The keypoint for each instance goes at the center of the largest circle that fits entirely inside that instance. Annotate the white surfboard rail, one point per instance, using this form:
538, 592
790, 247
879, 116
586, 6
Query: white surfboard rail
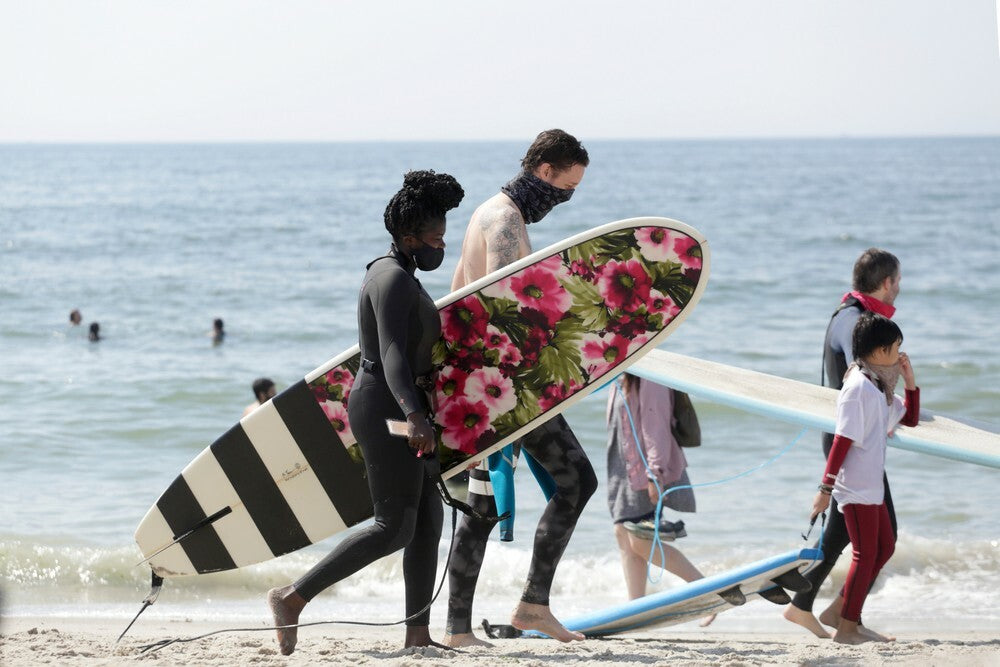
812, 406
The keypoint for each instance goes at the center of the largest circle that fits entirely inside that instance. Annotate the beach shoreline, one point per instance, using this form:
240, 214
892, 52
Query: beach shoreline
70, 641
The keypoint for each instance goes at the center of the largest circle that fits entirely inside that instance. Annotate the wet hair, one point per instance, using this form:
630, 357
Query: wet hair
218, 323
260, 386
424, 198
872, 268
558, 148
872, 332
75, 316
95, 331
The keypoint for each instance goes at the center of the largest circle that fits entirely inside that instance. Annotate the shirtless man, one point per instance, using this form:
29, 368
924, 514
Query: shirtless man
497, 236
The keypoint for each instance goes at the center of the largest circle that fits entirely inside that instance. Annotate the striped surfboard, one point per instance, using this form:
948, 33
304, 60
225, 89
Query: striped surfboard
517, 348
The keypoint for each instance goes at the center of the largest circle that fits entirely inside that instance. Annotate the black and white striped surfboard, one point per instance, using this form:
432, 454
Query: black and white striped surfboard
518, 347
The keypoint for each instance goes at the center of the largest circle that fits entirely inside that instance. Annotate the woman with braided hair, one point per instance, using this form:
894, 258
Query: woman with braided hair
398, 325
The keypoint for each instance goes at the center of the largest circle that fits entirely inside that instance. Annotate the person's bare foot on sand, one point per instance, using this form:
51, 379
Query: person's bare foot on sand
464, 639
806, 619
850, 632
529, 616
708, 621
876, 636
286, 605
418, 636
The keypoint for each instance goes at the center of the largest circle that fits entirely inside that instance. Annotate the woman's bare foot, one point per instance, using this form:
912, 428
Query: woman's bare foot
707, 621
806, 619
464, 639
286, 605
420, 636
538, 617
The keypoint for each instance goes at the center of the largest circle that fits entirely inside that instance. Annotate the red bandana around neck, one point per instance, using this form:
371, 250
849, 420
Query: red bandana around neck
872, 304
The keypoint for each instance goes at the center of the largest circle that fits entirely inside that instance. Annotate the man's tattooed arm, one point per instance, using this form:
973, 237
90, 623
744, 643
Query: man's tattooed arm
504, 234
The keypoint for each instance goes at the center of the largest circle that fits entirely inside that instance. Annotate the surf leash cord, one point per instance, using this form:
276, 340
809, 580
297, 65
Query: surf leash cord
657, 541
456, 506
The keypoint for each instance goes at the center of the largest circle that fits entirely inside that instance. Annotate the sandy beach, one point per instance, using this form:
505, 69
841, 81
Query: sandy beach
77, 641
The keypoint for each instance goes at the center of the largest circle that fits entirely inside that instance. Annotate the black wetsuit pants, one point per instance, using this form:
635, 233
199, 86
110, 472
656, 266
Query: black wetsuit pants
835, 540
557, 450
408, 511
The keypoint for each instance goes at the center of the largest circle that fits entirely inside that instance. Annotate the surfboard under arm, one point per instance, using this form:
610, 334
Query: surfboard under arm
811, 405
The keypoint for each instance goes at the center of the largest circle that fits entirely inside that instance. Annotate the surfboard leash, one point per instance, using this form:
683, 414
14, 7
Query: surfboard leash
156, 646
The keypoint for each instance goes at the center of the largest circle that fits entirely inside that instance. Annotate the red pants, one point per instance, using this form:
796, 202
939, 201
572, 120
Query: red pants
873, 543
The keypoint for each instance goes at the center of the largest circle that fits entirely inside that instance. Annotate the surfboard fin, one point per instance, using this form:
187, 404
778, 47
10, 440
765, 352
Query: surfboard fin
501, 631
793, 581
154, 592
733, 596
775, 594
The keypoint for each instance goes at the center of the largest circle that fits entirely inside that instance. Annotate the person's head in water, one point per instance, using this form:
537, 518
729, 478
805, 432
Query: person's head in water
218, 330
876, 272
75, 317
551, 170
263, 389
415, 216
95, 332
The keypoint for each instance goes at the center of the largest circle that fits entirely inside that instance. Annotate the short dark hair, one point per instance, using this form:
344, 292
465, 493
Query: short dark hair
558, 148
260, 386
873, 331
424, 198
872, 268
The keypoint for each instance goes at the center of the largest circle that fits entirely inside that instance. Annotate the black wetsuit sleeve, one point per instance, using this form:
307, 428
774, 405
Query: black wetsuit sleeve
396, 294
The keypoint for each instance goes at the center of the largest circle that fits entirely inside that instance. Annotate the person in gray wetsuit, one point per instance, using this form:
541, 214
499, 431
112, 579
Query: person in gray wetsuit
398, 325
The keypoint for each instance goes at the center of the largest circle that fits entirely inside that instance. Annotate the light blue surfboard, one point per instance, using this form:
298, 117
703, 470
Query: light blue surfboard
693, 600
813, 406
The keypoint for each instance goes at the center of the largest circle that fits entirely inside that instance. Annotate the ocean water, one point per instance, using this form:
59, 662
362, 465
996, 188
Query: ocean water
155, 241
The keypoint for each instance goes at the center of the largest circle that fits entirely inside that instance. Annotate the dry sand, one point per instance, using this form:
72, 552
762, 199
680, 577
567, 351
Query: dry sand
76, 641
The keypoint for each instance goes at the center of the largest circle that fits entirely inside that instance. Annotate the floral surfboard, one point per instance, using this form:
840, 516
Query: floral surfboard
517, 348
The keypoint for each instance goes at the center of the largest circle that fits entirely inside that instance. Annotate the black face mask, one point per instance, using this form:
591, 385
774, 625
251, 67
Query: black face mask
533, 196
428, 257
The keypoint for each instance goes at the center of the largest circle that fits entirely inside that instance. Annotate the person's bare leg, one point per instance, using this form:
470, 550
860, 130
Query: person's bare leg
286, 605
633, 565
420, 635
830, 616
806, 619
463, 639
538, 617
676, 562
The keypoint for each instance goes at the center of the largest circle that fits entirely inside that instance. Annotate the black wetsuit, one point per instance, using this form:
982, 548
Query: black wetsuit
554, 446
835, 537
398, 325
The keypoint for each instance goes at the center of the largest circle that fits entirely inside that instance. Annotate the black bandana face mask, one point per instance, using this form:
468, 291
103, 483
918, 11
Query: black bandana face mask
533, 196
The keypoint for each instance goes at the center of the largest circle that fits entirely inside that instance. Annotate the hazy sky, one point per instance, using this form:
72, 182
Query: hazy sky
206, 70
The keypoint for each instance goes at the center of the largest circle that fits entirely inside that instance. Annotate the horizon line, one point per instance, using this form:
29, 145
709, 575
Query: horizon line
831, 137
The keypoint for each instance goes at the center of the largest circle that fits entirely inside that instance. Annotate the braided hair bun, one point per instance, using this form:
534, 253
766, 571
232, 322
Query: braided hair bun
424, 198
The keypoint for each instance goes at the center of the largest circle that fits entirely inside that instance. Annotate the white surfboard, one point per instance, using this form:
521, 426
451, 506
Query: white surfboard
692, 600
812, 405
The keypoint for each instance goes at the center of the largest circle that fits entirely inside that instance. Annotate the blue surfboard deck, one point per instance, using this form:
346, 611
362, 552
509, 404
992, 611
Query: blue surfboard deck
693, 600
813, 406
